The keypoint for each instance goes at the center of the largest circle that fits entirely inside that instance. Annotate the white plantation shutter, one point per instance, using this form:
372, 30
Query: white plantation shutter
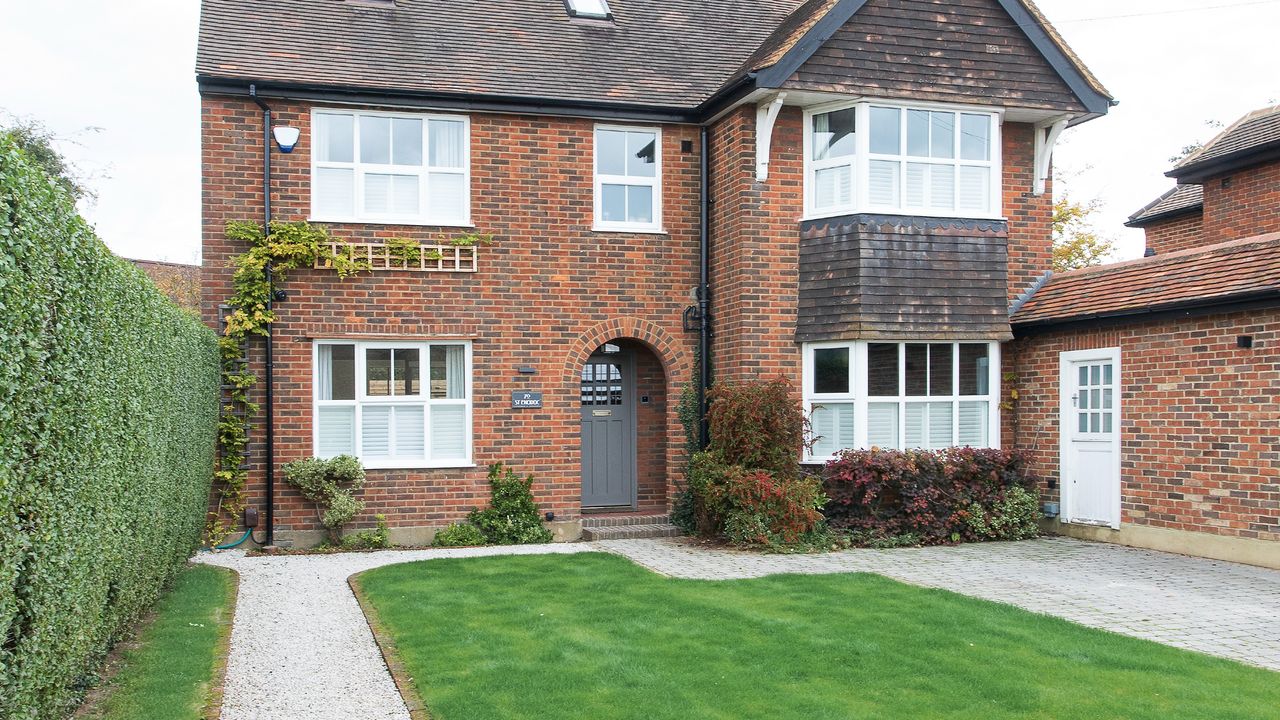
832, 427
914, 431
975, 189
882, 425
448, 196
448, 431
973, 423
336, 434
940, 423
410, 433
942, 187
833, 187
882, 182
917, 181
375, 431
335, 191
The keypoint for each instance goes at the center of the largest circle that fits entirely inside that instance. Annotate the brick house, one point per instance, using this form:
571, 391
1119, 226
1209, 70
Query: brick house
1149, 389
847, 192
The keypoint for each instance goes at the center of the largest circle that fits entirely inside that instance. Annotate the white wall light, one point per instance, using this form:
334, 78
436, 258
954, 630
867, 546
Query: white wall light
286, 137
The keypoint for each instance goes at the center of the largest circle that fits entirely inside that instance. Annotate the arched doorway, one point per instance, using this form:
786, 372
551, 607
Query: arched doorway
623, 428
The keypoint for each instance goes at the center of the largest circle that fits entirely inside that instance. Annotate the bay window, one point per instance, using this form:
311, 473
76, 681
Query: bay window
901, 395
628, 179
383, 167
884, 158
394, 404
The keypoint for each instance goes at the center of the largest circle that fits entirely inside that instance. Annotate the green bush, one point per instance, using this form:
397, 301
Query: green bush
108, 406
512, 517
759, 425
1015, 516
376, 539
459, 535
330, 484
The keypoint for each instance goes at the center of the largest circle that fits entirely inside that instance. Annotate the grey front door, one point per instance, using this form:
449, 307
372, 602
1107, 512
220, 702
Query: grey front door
608, 433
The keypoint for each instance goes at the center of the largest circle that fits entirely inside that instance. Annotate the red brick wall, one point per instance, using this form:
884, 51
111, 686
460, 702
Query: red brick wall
1178, 233
549, 291
755, 250
1200, 419
1030, 216
1243, 204
651, 436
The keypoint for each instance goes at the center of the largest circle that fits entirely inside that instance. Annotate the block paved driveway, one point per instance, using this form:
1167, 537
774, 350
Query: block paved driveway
300, 647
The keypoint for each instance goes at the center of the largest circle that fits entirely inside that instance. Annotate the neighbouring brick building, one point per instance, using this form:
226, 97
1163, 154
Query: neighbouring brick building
1149, 390
865, 219
180, 281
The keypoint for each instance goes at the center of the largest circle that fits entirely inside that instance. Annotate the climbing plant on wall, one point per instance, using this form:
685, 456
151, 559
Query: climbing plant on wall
287, 246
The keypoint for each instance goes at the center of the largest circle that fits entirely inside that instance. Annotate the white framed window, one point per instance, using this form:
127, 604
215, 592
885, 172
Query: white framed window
393, 404
901, 395
390, 168
628, 178
939, 161
598, 9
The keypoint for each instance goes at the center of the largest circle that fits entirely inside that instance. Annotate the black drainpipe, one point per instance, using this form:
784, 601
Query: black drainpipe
704, 291
266, 229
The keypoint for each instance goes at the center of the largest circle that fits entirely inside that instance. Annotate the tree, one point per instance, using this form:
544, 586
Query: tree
1076, 243
38, 142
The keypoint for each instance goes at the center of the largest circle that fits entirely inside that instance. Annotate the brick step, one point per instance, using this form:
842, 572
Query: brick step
597, 521
630, 532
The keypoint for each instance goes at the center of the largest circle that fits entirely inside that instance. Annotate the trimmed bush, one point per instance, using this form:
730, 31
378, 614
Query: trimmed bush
748, 487
108, 406
330, 484
459, 535
512, 516
953, 495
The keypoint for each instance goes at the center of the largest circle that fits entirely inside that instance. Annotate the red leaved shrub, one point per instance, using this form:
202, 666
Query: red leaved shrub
758, 425
928, 494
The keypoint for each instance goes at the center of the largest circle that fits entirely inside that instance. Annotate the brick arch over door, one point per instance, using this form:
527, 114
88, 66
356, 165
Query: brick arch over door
674, 362
677, 365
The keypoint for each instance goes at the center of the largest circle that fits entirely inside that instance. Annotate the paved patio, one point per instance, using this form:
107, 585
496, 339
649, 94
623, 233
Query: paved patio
300, 647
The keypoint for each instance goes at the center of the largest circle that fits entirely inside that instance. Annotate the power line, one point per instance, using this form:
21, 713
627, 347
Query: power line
1167, 12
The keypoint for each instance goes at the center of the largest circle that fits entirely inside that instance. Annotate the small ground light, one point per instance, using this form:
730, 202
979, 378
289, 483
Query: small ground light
551, 516
1244, 341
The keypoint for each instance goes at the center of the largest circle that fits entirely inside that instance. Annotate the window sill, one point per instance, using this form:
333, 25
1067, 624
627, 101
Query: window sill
395, 465
808, 217
622, 230
463, 225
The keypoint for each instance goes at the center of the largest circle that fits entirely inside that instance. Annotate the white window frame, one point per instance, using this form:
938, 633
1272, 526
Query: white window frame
860, 161
425, 400
422, 172
859, 398
598, 181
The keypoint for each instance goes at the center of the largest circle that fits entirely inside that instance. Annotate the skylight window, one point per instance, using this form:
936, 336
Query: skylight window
598, 9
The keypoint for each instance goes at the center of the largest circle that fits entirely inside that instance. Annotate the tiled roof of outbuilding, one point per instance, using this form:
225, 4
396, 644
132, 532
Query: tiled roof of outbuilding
1230, 271
1178, 200
1257, 132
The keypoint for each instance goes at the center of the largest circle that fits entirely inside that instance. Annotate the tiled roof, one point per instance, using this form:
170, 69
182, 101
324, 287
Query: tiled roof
1253, 133
669, 54
1234, 270
673, 53
1178, 200
179, 281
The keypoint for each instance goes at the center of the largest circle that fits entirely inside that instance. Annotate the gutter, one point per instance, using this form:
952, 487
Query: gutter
1197, 172
704, 290
1190, 308
266, 229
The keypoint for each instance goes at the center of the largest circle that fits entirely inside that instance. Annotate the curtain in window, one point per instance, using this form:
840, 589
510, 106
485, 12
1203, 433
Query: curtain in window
455, 360
446, 148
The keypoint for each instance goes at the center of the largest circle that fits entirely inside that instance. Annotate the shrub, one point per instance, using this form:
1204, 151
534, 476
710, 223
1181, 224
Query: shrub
761, 509
929, 495
375, 539
512, 516
1016, 516
758, 425
108, 407
459, 535
329, 484
747, 487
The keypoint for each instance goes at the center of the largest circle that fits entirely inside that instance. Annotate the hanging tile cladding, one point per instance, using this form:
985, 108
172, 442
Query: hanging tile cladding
877, 276
964, 51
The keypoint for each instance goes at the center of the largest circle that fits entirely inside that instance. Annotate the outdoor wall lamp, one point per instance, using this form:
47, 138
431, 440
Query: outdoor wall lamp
286, 137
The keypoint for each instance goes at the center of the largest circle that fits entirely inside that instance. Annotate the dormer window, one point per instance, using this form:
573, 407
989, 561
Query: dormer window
597, 9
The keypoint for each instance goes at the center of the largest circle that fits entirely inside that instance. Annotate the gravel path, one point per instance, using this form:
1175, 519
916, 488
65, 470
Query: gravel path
300, 647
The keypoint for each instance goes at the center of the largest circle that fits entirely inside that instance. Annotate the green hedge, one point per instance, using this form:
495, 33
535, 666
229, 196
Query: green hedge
108, 405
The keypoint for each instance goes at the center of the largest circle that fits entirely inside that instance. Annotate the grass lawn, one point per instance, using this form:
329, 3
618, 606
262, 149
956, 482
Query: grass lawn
595, 636
168, 671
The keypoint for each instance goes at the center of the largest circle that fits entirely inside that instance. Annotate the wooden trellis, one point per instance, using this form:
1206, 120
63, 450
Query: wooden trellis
429, 258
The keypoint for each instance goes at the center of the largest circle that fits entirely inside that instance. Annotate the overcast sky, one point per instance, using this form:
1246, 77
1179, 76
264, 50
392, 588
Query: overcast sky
126, 69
